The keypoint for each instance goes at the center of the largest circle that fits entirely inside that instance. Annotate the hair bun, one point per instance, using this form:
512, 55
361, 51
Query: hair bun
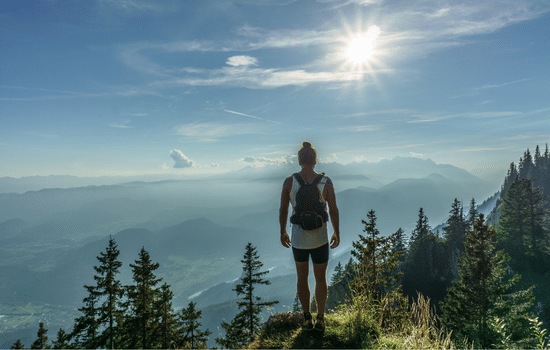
306, 144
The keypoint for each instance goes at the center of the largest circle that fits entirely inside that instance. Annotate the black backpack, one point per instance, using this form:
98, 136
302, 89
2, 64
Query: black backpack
310, 213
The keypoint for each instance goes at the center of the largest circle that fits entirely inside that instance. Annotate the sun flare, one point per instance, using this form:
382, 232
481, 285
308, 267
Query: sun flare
362, 46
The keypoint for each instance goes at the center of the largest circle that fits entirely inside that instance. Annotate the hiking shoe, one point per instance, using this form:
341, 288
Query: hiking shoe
320, 323
308, 322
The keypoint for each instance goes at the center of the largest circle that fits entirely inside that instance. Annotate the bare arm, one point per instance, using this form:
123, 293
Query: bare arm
283, 211
330, 197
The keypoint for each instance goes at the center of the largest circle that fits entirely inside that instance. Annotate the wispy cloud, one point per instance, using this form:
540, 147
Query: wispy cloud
250, 116
214, 131
360, 128
129, 6
411, 31
236, 61
260, 161
440, 116
479, 89
123, 125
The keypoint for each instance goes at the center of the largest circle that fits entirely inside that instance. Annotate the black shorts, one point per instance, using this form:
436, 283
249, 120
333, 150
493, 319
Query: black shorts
318, 255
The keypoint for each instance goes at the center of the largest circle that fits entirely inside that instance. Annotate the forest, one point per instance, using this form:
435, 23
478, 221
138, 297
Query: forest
481, 281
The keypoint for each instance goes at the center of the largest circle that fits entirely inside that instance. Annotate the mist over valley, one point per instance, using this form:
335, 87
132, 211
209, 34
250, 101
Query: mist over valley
197, 229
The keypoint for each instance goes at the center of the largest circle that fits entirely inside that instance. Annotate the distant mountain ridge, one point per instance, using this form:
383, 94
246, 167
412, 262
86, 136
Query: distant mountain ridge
384, 171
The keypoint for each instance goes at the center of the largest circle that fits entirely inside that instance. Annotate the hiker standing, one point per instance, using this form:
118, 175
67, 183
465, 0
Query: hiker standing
309, 193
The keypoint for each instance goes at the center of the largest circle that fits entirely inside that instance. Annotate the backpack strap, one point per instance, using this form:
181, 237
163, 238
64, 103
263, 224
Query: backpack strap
318, 179
299, 178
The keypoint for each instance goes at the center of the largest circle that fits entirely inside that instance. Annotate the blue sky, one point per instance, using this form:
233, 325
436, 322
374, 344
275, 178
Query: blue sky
133, 87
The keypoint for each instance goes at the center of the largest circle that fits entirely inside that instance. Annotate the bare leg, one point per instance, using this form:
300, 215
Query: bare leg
302, 271
321, 289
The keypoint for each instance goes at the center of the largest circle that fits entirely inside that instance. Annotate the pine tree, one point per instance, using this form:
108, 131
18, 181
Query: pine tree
141, 322
376, 260
400, 245
296, 306
350, 269
511, 176
338, 274
455, 231
62, 340
426, 268
86, 327
244, 326
472, 214
482, 291
421, 229
41, 342
17, 345
110, 287
192, 336
521, 228
168, 327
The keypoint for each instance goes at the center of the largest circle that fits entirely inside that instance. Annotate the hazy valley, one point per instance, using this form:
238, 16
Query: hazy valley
196, 229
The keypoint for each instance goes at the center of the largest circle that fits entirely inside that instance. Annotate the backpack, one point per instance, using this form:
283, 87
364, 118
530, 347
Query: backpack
310, 213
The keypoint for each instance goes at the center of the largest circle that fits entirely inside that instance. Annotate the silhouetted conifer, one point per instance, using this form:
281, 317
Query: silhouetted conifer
141, 321
338, 274
17, 345
85, 329
376, 261
41, 342
400, 245
244, 326
421, 229
192, 336
296, 306
62, 340
521, 229
426, 268
167, 333
483, 291
110, 287
349, 269
472, 214
456, 229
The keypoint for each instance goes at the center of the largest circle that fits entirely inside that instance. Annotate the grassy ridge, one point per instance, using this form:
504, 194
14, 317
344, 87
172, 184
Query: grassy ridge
362, 325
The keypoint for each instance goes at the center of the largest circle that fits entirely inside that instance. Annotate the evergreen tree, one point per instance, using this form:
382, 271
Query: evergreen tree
472, 214
511, 176
62, 340
426, 268
400, 245
521, 228
296, 306
376, 259
168, 327
141, 322
349, 269
41, 342
421, 229
482, 291
110, 287
244, 326
455, 231
17, 345
338, 274
192, 336
526, 165
85, 328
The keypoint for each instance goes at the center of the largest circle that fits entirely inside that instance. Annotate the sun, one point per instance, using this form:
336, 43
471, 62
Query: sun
361, 47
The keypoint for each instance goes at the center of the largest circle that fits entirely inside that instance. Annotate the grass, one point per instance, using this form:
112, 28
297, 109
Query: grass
363, 325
